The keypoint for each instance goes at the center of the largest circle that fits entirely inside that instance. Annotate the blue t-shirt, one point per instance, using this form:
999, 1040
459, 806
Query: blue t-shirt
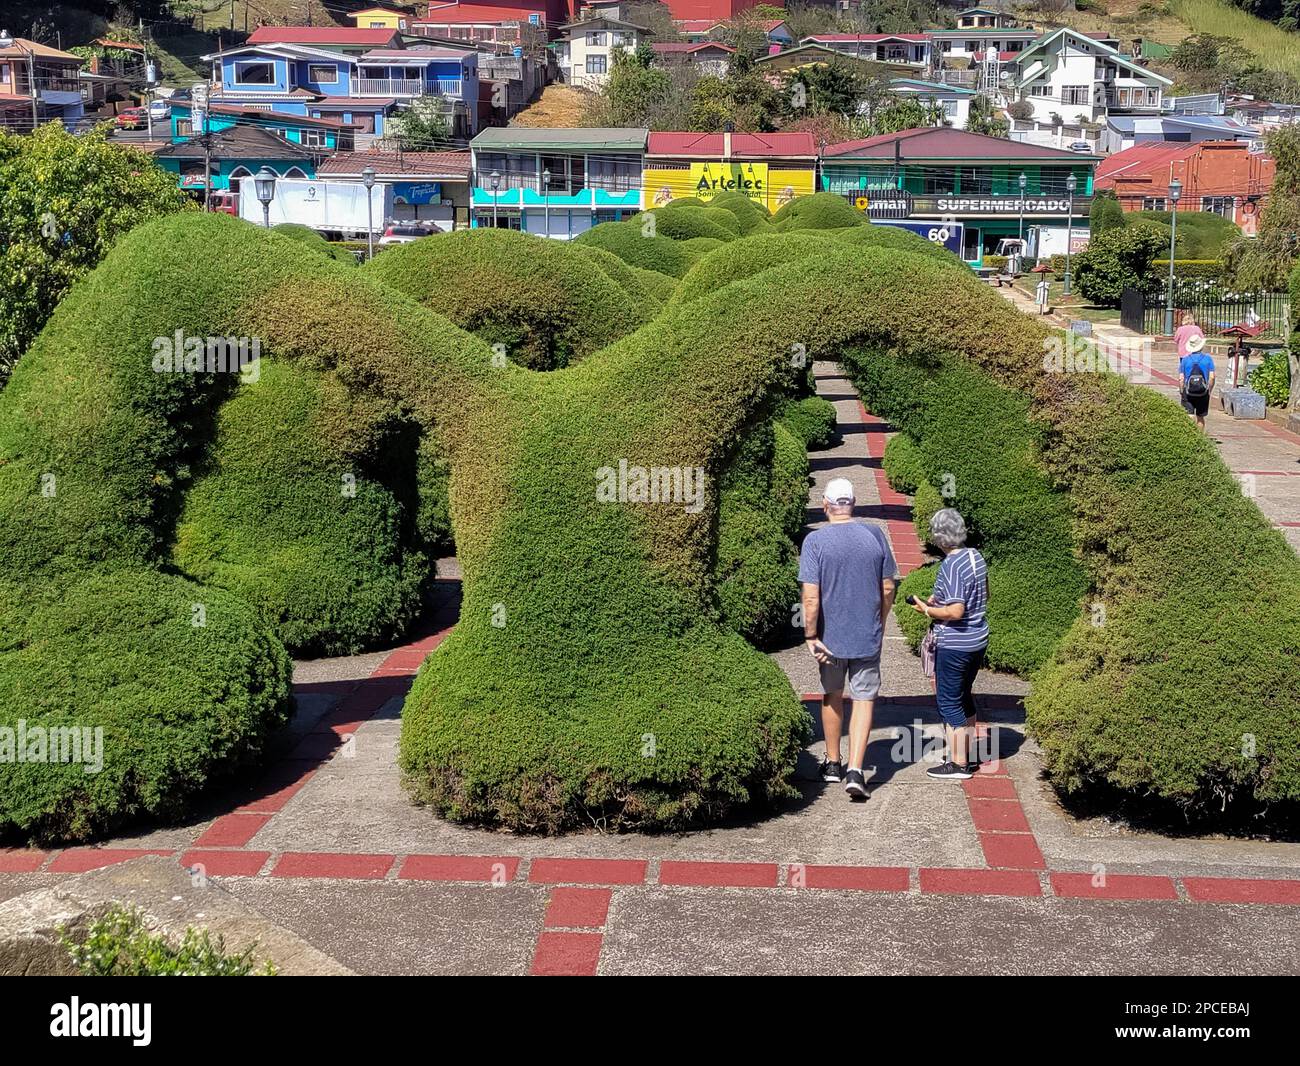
848, 562
1200, 359
963, 578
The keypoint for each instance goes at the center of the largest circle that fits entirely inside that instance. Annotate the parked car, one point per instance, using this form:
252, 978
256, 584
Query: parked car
159, 110
1079, 146
225, 202
404, 232
133, 118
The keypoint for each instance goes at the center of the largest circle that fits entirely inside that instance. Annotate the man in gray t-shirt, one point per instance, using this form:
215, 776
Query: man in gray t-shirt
848, 573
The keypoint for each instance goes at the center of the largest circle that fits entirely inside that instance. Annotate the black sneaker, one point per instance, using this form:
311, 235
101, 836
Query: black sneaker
950, 771
832, 771
855, 785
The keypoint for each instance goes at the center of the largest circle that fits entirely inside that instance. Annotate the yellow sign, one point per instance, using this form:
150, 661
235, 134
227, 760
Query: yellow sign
861, 203
764, 185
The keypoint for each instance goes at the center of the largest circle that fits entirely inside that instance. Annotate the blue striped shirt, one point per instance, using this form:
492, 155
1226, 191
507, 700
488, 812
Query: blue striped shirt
963, 578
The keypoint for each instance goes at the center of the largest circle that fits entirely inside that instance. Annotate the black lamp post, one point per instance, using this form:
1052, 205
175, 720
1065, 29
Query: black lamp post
264, 181
1022, 181
368, 180
1175, 191
546, 201
1071, 183
496, 184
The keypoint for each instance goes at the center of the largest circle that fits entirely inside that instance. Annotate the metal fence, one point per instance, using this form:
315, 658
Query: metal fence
1215, 305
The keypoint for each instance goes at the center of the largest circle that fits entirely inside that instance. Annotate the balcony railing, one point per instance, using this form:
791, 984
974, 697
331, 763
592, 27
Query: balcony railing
406, 87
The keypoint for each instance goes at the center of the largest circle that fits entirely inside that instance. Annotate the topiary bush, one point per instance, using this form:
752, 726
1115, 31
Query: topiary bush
547, 303
811, 420
627, 241
313, 240
904, 464
682, 224
822, 210
751, 217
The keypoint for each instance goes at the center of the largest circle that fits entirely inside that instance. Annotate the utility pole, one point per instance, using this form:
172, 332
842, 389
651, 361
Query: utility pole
232, 16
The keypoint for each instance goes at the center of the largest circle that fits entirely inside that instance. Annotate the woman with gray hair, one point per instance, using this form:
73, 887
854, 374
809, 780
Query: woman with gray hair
957, 608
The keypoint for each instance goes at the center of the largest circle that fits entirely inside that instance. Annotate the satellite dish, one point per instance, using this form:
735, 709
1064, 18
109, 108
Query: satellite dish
1005, 75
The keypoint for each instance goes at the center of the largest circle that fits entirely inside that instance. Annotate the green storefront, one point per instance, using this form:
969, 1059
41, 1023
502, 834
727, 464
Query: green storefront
944, 175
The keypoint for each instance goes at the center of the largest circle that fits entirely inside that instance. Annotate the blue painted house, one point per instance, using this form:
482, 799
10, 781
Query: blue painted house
357, 77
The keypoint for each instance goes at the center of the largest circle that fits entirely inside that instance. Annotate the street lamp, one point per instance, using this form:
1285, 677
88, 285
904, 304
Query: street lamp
368, 180
1022, 181
496, 184
199, 110
1071, 183
7, 42
546, 200
264, 181
1175, 191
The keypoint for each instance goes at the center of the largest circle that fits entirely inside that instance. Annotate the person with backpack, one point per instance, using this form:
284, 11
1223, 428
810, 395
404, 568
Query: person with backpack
1195, 369
961, 632
849, 576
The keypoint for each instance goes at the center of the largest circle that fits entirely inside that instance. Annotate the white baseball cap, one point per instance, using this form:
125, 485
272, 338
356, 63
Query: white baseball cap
840, 490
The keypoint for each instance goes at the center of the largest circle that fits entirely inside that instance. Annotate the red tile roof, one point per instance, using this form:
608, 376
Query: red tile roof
943, 143
743, 145
682, 46
454, 14
447, 165
1141, 159
320, 35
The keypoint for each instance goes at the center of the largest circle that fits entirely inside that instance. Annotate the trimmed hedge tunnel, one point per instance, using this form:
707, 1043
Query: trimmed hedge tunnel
618, 691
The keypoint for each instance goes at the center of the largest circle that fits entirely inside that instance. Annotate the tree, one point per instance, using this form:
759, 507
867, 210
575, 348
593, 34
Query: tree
1105, 213
422, 127
821, 88
1263, 262
900, 113
66, 201
984, 118
1116, 260
1020, 109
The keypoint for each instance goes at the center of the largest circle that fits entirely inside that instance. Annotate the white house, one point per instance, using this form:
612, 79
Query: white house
954, 99
586, 52
1071, 77
883, 47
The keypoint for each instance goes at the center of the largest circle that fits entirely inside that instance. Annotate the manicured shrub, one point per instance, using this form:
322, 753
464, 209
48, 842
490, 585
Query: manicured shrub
811, 420
894, 237
904, 464
547, 303
627, 241
660, 286
312, 239
738, 260
822, 210
751, 217
1201, 234
626, 276
683, 224
1116, 260
314, 535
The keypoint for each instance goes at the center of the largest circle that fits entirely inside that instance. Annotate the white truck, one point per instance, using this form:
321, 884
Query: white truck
335, 209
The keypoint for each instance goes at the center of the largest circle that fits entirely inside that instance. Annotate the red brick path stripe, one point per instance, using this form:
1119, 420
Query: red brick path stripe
566, 954
1117, 886
998, 816
21, 860
79, 860
332, 864
578, 908
588, 871
986, 787
226, 863
1241, 890
980, 882
719, 874
1012, 851
279, 787
863, 878
498, 868
232, 830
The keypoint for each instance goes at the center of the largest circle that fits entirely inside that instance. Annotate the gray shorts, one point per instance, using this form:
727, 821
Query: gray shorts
862, 677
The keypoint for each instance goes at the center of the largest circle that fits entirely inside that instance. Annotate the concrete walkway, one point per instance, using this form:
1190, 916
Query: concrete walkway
990, 876
1263, 455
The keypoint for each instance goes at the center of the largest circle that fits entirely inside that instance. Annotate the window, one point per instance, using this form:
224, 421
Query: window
949, 108
1051, 181
972, 46
1153, 203
613, 174
595, 37
596, 64
319, 72
938, 184
294, 172
1074, 94
251, 73
312, 139
1219, 205
976, 181
184, 127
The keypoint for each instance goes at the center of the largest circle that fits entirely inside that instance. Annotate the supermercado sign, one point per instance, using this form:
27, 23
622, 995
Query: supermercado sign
762, 184
999, 205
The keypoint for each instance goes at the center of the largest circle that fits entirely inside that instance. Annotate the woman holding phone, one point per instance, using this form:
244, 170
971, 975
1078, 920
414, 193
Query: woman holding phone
957, 609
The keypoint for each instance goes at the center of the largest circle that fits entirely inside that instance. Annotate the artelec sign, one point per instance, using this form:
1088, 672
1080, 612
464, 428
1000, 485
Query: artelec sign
710, 179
